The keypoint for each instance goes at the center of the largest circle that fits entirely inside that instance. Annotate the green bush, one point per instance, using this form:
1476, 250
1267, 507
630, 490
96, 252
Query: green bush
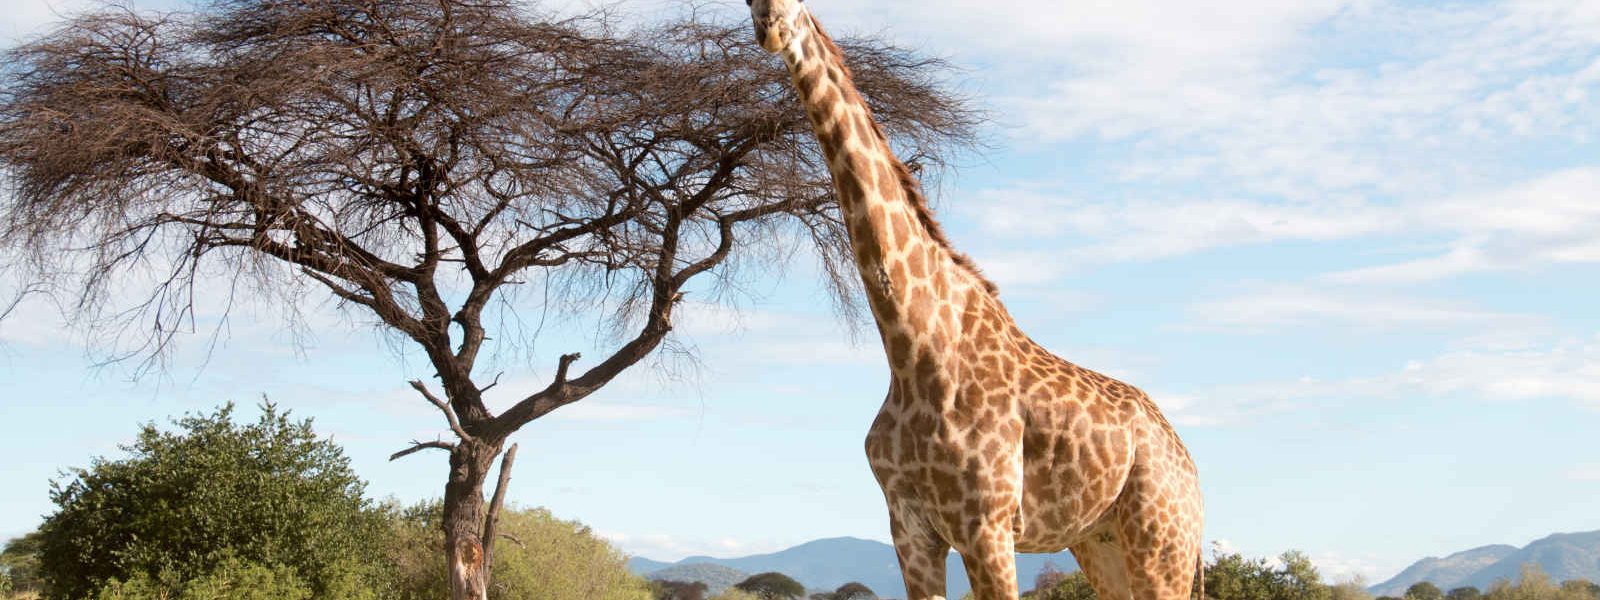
233, 579
539, 556
183, 504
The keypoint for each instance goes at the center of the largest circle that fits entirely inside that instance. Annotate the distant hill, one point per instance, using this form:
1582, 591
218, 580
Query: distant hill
828, 563
1564, 556
1444, 572
716, 577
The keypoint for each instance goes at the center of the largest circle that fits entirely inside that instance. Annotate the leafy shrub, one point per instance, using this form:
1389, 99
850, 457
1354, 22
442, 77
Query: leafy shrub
184, 504
539, 556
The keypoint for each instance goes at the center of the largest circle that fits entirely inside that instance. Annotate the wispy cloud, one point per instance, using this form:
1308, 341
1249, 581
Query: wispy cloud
1568, 370
1588, 473
1565, 371
1114, 231
1275, 114
664, 547
1548, 220
1282, 306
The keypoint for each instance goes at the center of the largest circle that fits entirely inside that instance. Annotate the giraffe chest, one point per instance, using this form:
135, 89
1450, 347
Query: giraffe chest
933, 446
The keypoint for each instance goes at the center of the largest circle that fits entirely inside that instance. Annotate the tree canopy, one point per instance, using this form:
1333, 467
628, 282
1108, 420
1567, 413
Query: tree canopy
772, 586
437, 167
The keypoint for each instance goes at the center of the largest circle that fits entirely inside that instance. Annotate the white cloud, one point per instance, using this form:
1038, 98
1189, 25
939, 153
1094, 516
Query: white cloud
1143, 230
1287, 111
1338, 568
1548, 219
1569, 370
1551, 219
1588, 473
1299, 305
663, 547
23, 18
1561, 371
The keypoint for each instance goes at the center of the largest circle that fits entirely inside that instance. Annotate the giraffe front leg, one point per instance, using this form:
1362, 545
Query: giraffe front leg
991, 562
922, 554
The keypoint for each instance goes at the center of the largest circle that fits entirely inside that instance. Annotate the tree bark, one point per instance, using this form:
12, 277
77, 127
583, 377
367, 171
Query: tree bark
464, 514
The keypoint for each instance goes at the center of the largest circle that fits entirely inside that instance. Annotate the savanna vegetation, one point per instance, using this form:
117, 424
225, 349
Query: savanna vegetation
1292, 576
212, 508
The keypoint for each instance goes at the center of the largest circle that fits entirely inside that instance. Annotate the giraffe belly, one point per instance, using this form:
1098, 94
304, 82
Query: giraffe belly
1070, 482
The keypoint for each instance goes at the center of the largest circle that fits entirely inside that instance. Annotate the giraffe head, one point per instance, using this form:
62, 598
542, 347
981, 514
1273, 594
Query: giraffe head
777, 22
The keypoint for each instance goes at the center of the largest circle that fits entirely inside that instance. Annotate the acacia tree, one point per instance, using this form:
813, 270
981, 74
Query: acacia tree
417, 160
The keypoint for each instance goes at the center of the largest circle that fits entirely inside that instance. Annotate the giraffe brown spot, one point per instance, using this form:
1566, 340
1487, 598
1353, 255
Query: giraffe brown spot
915, 259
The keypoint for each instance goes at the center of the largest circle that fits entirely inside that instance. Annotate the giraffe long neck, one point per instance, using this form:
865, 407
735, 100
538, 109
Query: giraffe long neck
916, 284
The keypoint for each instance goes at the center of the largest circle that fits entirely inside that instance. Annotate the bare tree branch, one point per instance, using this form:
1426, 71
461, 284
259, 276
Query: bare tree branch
420, 446
419, 159
492, 519
449, 413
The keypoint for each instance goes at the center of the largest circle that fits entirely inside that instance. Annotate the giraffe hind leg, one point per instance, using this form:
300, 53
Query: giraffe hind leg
1158, 526
1102, 561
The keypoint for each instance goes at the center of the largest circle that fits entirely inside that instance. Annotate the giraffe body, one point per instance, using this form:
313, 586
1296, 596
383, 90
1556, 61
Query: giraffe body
986, 443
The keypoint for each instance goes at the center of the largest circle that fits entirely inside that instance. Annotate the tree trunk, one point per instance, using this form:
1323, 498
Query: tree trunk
464, 514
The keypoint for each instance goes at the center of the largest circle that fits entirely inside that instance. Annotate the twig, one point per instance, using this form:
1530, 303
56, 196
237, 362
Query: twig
492, 383
420, 446
449, 415
514, 539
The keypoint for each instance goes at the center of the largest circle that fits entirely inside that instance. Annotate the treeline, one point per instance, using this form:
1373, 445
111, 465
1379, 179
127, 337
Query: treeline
1231, 576
267, 510
761, 586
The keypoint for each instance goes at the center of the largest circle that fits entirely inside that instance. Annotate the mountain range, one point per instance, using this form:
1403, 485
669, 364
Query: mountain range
1563, 556
826, 564
823, 565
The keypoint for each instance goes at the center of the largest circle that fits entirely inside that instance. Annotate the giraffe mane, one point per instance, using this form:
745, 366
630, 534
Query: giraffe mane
908, 182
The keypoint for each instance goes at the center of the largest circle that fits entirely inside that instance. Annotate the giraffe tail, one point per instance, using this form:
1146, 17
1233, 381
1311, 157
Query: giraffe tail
1200, 572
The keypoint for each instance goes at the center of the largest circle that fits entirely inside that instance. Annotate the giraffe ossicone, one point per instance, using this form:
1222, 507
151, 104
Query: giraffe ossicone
986, 443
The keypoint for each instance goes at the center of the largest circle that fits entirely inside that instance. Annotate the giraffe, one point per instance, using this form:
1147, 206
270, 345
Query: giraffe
986, 442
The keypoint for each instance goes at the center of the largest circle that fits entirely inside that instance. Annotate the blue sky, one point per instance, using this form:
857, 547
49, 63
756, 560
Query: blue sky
1349, 245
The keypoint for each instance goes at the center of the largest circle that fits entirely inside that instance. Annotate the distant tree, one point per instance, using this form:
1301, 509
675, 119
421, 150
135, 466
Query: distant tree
19, 564
854, 591
1353, 589
772, 586
1424, 590
1048, 577
1580, 588
1534, 584
678, 590
849, 591
1387, 598
268, 493
1297, 579
1231, 576
1071, 586
1463, 593
734, 593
